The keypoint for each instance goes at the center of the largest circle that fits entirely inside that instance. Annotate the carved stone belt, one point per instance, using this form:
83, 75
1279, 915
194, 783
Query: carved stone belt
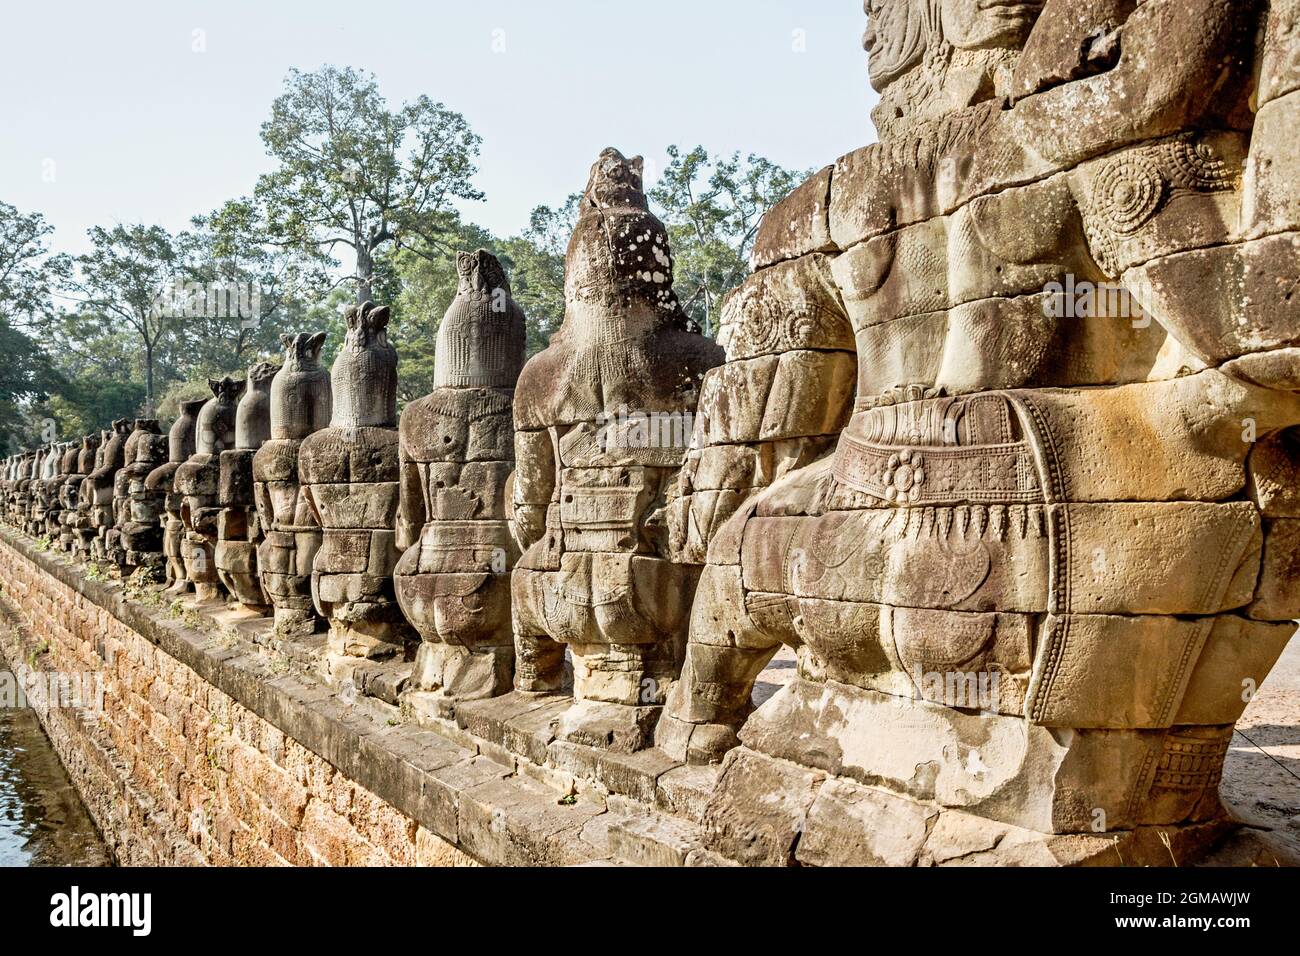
938, 474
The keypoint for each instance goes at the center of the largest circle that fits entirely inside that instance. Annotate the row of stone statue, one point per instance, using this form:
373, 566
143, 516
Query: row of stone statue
1034, 550
295, 492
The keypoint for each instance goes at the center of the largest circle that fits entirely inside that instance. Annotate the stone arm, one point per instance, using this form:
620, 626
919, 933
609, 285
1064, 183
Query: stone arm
412, 512
313, 511
1172, 56
778, 402
534, 485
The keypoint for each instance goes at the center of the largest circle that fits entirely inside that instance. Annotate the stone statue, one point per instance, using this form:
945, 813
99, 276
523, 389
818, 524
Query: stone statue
300, 405
163, 498
70, 491
349, 475
7, 482
24, 496
1051, 543
238, 531
114, 545
197, 481
457, 452
95, 496
63, 463
141, 521
603, 421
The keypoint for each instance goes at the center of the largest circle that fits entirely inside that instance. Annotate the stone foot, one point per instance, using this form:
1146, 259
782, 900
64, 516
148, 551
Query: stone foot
619, 728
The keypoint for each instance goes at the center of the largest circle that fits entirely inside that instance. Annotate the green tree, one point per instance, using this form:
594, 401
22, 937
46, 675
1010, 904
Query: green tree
122, 283
242, 292
98, 362
535, 262
354, 173
712, 208
29, 275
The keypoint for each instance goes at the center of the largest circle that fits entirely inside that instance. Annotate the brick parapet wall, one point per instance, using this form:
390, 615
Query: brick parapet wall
210, 749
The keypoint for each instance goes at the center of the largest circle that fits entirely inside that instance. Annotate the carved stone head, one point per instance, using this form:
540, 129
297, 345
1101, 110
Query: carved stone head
482, 337
929, 58
181, 437
618, 265
216, 423
615, 181
897, 34
301, 402
985, 24
365, 373
253, 416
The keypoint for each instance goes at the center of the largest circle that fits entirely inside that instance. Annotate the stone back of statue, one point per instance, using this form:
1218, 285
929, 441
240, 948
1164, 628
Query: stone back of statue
602, 420
301, 403
198, 481
457, 453
95, 502
482, 336
115, 545
253, 414
364, 377
349, 475
70, 491
1052, 375
238, 530
141, 521
162, 496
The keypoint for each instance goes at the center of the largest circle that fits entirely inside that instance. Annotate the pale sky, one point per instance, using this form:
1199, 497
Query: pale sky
149, 111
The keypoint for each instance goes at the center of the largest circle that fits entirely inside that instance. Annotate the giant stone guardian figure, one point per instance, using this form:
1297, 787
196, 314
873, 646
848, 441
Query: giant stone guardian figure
349, 474
163, 498
115, 547
95, 498
70, 491
1052, 543
197, 482
238, 530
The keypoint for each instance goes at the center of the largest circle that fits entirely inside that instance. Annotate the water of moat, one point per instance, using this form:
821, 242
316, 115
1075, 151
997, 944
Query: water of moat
42, 819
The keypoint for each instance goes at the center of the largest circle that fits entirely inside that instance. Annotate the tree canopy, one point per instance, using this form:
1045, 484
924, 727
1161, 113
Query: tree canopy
364, 201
